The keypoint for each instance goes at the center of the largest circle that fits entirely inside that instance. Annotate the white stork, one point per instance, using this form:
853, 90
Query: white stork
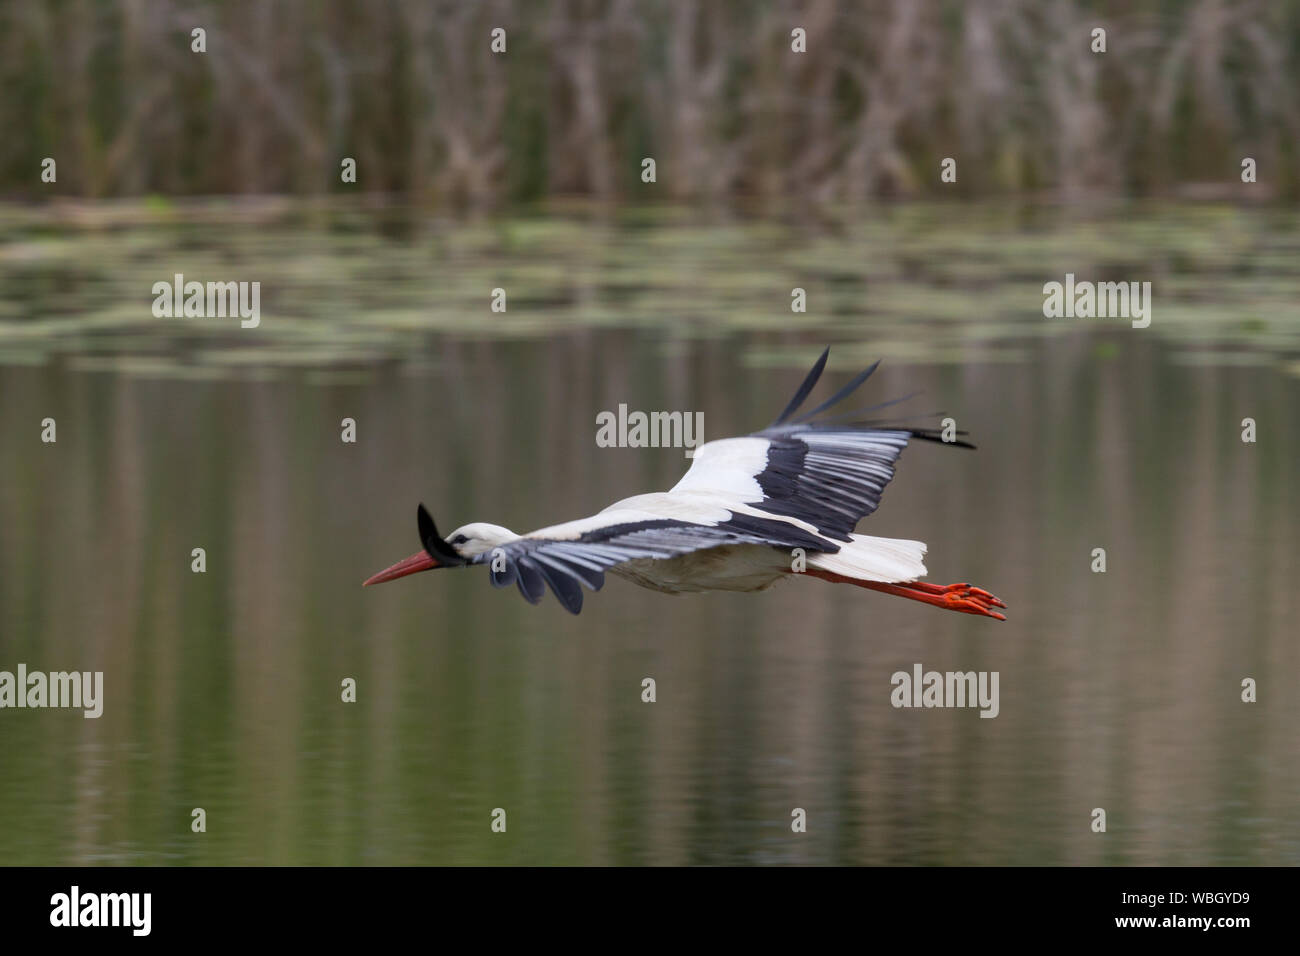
733, 523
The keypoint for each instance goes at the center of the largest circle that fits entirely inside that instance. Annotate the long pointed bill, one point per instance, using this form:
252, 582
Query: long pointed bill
420, 561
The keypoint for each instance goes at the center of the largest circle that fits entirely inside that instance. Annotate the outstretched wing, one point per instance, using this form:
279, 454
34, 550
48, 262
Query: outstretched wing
571, 556
828, 473
801, 482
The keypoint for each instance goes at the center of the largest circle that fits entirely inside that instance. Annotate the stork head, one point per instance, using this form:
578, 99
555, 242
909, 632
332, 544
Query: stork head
471, 540
465, 543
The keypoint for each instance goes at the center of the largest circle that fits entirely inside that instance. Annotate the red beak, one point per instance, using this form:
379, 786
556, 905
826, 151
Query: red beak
421, 561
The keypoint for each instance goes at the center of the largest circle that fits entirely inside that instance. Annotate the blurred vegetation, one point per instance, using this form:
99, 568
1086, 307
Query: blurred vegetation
887, 89
347, 287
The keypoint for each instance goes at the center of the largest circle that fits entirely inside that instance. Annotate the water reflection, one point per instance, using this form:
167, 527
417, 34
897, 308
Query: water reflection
1119, 690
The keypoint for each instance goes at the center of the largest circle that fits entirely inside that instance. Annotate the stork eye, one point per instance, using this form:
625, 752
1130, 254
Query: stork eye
459, 539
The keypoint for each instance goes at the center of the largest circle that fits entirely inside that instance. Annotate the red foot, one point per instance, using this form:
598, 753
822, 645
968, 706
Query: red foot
952, 597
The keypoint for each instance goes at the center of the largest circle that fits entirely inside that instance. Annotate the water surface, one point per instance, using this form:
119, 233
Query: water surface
1118, 690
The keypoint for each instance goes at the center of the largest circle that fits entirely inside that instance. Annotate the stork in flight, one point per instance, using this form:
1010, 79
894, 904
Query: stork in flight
733, 523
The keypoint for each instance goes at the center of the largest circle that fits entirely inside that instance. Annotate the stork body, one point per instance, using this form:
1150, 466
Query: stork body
749, 512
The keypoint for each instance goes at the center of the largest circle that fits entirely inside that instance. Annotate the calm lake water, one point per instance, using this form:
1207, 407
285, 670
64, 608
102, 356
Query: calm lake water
1119, 690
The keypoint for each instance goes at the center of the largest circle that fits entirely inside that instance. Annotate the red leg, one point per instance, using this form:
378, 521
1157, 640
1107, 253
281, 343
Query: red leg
951, 597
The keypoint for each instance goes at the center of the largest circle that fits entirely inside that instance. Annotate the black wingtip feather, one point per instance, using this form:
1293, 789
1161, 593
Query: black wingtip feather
843, 418
838, 421
433, 543
843, 393
424, 522
565, 588
530, 582
505, 577
929, 434
809, 381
